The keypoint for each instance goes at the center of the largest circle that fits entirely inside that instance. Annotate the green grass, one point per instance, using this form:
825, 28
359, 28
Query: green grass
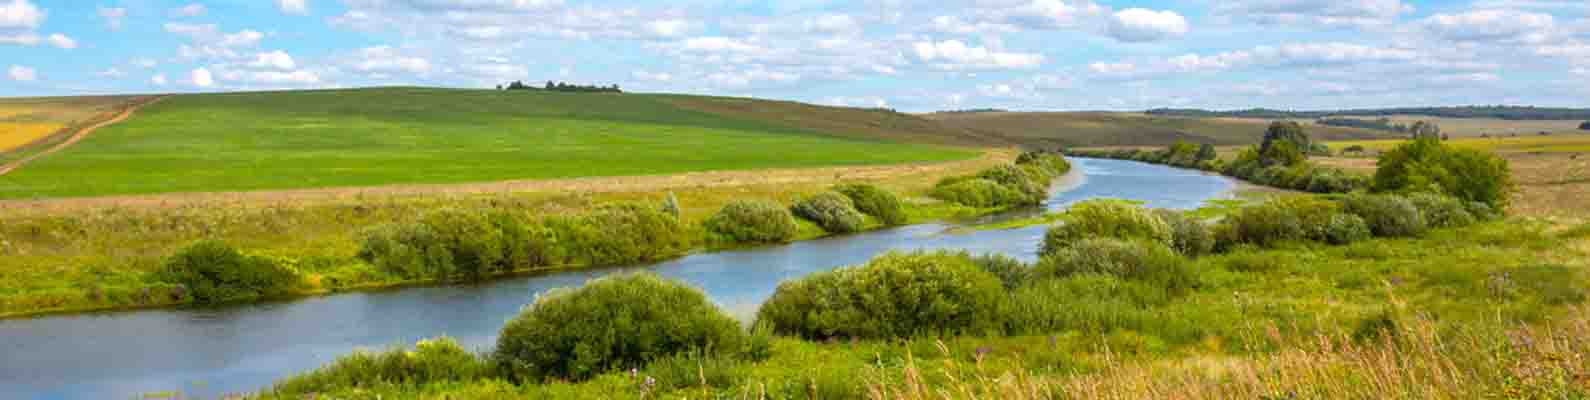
368, 137
1082, 129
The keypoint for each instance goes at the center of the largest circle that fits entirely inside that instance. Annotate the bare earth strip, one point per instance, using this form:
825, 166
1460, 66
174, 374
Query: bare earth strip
608, 184
79, 135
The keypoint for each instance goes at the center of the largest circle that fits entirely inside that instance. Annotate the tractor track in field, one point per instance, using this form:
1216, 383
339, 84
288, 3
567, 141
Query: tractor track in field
79, 135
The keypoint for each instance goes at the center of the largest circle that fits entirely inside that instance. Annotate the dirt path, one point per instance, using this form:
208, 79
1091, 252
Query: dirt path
79, 135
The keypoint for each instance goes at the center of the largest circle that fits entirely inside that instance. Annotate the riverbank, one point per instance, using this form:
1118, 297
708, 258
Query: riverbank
81, 255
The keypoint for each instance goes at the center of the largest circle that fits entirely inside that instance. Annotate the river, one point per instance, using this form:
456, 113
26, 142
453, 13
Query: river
208, 352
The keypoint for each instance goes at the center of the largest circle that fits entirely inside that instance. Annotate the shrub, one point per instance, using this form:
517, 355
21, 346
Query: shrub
980, 193
750, 221
1387, 215
455, 244
213, 271
1482, 211
894, 295
1346, 228
1033, 189
1105, 218
1275, 221
1441, 211
1088, 303
874, 201
1428, 165
621, 321
1050, 163
618, 234
832, 211
434, 360
1011, 272
1189, 236
1136, 260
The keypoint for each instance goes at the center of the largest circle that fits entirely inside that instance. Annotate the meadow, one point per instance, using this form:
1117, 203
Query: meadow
386, 136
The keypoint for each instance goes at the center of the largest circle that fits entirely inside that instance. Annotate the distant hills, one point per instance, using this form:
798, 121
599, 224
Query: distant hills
1518, 113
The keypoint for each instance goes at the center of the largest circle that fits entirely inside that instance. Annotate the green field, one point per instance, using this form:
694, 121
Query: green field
369, 137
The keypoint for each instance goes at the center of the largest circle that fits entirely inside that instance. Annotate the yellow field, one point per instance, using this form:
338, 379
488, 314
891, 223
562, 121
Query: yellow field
1474, 127
1562, 143
16, 134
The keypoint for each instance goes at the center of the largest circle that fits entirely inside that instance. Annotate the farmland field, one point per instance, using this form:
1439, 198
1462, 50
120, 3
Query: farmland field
1125, 129
369, 137
1566, 143
24, 121
1474, 127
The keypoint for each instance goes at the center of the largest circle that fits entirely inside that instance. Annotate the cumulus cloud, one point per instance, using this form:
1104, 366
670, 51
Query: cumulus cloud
1359, 13
113, 16
1036, 14
190, 10
953, 54
1117, 68
201, 77
717, 44
25, 39
385, 59
649, 76
62, 41
1491, 25
1143, 25
111, 72
20, 14
278, 60
22, 74
297, 7
158, 80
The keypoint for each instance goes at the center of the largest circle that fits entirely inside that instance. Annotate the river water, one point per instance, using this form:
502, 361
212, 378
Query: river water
209, 352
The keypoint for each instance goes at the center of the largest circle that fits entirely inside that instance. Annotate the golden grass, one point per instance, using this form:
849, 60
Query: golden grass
16, 134
1565, 143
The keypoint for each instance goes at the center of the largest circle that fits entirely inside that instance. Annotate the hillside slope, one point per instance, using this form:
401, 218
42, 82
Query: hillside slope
1051, 129
383, 136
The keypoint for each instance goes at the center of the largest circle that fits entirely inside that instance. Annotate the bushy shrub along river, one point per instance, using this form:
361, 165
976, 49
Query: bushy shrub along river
214, 351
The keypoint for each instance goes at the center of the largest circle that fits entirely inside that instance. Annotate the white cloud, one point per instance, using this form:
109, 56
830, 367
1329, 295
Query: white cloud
190, 10
25, 39
668, 27
1036, 14
298, 7
861, 101
1331, 53
270, 78
245, 37
113, 16
1142, 25
111, 72
1119, 68
158, 80
747, 77
1222, 61
648, 76
144, 63
22, 74
1491, 25
498, 71
191, 30
833, 23
1360, 13
61, 41
201, 77
20, 14
717, 44
953, 54
278, 60
385, 59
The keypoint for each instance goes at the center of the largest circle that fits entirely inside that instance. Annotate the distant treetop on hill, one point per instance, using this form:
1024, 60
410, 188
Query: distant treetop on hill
1498, 112
563, 87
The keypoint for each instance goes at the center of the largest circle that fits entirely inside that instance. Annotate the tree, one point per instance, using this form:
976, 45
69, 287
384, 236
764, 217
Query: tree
1291, 135
1421, 129
1427, 165
1207, 153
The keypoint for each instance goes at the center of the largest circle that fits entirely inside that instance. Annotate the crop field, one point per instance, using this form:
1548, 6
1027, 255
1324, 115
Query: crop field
1474, 127
16, 134
27, 120
1533, 143
1079, 129
385, 136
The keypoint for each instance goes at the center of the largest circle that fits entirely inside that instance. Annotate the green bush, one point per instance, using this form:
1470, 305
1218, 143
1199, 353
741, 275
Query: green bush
1087, 303
455, 244
615, 322
1051, 163
874, 201
1032, 188
894, 295
1482, 211
1135, 260
1276, 221
213, 271
1189, 236
1011, 272
1441, 211
431, 361
1346, 228
618, 234
1387, 215
749, 221
1106, 218
832, 211
980, 193
1428, 165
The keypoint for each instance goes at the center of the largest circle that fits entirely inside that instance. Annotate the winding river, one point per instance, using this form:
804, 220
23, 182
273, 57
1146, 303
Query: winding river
205, 353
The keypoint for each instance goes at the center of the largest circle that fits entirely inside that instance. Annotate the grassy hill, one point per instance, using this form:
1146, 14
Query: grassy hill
1050, 129
382, 136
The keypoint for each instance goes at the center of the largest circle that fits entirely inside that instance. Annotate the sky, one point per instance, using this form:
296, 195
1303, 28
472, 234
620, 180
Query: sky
903, 54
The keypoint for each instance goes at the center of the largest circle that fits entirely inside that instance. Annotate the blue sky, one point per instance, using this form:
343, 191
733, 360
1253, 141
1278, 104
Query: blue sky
905, 54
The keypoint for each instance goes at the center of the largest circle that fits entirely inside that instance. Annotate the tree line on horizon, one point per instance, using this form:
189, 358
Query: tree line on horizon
1498, 112
562, 87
